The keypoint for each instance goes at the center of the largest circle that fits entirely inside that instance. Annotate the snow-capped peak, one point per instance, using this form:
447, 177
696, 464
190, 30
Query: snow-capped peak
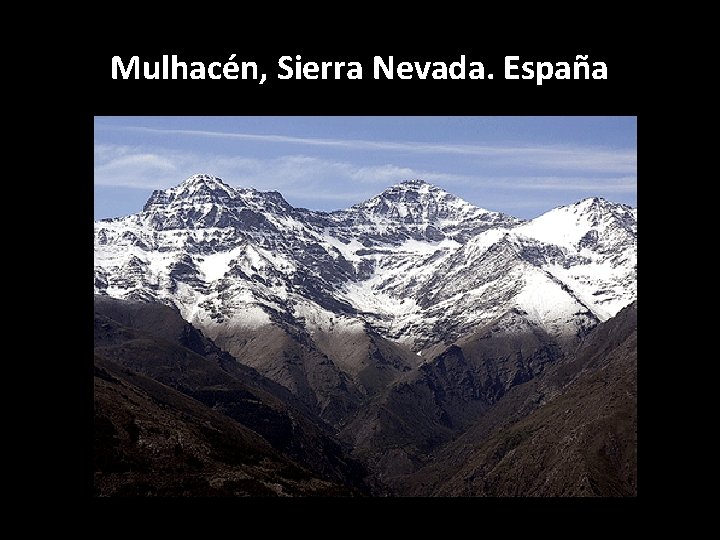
204, 200
421, 186
199, 188
413, 263
199, 185
597, 206
204, 180
418, 202
592, 220
415, 209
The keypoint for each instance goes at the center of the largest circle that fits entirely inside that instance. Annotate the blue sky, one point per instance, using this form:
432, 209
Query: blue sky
523, 166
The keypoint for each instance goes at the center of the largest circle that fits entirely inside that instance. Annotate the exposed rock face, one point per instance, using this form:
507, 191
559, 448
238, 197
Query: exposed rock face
570, 432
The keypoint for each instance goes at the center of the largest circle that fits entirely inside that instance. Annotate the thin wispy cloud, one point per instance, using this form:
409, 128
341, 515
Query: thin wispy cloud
561, 157
305, 176
124, 166
506, 165
625, 184
127, 166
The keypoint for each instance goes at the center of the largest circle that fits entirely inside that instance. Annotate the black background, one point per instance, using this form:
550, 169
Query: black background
618, 95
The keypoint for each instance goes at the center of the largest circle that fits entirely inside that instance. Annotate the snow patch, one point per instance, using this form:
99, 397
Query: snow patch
215, 266
545, 302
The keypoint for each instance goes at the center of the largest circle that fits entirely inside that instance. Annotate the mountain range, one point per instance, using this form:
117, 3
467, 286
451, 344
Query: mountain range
402, 330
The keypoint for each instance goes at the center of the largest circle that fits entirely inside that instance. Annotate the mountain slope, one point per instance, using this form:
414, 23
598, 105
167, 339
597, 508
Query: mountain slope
151, 440
411, 344
417, 210
336, 307
239, 258
447, 394
152, 341
569, 432
599, 239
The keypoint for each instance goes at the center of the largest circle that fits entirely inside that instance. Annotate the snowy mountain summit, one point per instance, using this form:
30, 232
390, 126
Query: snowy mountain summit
417, 202
414, 264
418, 210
